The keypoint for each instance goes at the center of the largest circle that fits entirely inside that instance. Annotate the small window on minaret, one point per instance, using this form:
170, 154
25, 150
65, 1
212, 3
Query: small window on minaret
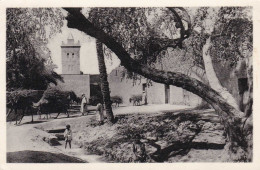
72, 55
68, 54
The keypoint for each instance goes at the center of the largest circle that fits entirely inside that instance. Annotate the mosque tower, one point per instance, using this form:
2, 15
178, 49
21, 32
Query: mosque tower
70, 56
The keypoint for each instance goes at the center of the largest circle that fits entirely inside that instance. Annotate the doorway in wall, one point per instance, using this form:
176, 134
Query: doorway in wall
167, 94
144, 94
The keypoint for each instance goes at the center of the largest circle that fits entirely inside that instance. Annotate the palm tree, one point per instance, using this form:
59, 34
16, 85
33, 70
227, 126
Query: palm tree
104, 82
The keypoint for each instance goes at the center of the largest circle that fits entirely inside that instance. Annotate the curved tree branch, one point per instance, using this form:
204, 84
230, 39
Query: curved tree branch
184, 33
78, 21
157, 44
179, 20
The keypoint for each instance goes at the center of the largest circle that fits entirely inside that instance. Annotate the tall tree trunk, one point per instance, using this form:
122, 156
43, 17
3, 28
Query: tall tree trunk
245, 129
104, 82
212, 77
230, 116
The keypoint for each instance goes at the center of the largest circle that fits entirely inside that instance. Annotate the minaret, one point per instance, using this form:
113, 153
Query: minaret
70, 56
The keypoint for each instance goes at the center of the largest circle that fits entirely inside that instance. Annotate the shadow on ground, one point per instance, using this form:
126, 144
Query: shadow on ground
40, 157
34, 122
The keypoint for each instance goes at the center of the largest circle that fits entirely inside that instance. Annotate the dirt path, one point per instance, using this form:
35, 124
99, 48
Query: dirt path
29, 137
75, 151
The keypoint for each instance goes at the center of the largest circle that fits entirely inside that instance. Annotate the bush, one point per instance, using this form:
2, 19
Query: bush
55, 94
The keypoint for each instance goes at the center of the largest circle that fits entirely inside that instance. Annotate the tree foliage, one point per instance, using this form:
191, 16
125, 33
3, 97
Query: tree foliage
29, 64
232, 35
230, 29
143, 32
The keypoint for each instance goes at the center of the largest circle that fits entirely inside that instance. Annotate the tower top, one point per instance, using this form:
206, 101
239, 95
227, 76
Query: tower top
70, 42
70, 37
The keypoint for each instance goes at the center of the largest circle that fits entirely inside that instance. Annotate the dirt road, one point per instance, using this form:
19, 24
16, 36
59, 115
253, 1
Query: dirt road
29, 136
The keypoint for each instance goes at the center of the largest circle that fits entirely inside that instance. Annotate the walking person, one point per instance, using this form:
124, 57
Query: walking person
100, 114
68, 136
83, 104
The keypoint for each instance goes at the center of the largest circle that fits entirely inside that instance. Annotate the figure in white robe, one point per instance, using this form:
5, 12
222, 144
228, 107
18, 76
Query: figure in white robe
83, 104
99, 113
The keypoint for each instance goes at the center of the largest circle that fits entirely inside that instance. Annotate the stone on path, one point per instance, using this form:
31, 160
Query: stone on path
211, 136
51, 140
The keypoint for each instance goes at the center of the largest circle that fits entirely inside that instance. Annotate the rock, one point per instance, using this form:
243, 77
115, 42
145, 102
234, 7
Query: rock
60, 136
150, 136
53, 141
216, 138
212, 126
144, 140
156, 124
201, 123
187, 128
150, 149
163, 144
210, 137
218, 126
207, 126
167, 120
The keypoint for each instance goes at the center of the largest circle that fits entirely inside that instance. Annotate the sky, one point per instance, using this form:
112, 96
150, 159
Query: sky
88, 55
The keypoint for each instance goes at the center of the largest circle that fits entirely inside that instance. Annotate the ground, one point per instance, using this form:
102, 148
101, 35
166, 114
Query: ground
171, 133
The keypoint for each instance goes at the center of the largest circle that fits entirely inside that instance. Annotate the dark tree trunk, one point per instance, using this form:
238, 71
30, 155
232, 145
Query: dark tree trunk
104, 83
231, 117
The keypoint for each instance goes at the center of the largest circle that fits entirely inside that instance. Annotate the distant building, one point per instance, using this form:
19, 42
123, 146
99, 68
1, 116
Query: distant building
156, 93
234, 79
74, 79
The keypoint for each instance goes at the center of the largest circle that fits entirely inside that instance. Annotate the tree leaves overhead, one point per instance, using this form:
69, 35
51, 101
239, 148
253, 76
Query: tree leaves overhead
230, 29
233, 35
143, 32
29, 63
